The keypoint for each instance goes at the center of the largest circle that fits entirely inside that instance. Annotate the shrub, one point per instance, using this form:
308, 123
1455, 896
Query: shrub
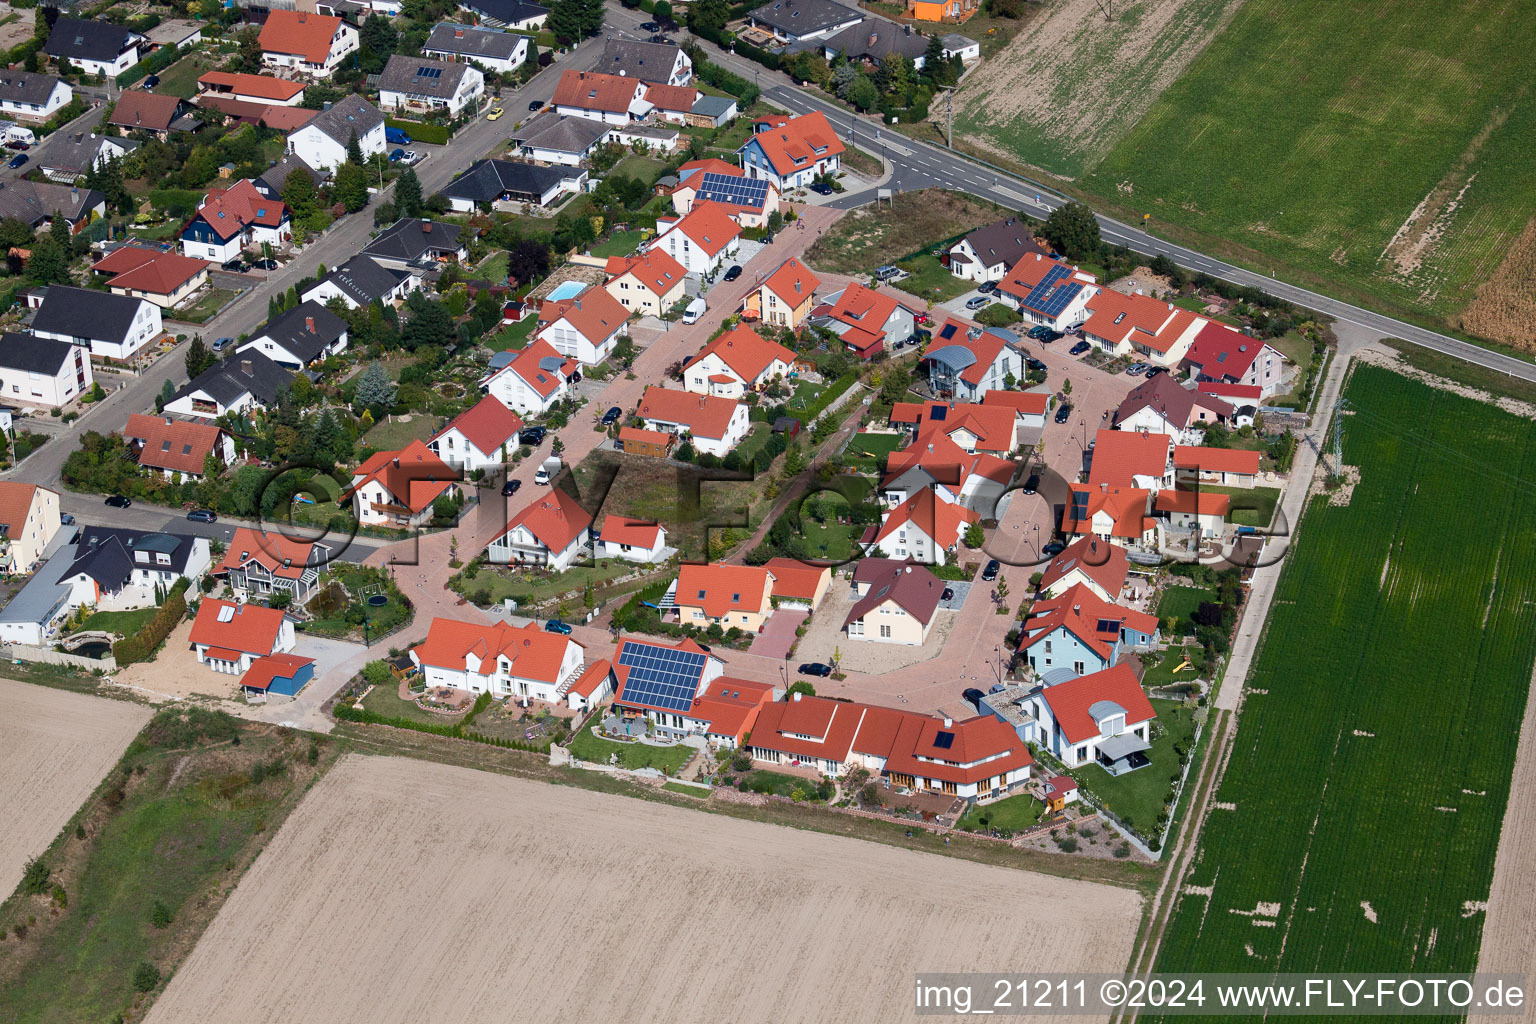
35, 878
160, 916
145, 976
1123, 850
1066, 844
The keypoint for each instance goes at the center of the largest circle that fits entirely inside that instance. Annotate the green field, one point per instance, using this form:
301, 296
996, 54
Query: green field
1272, 142
1372, 760
126, 623
866, 450
1253, 506
1014, 813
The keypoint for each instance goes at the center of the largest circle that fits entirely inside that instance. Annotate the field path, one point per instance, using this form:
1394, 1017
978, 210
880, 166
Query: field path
55, 746
408, 891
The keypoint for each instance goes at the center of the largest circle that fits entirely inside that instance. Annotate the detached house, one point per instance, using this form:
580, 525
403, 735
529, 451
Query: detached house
648, 284
34, 98
397, 489
702, 240
165, 278
1163, 406
501, 52
481, 437
229, 635
259, 564
42, 371
230, 219
311, 44
412, 242
553, 531
522, 662
158, 114
989, 252
1110, 513
322, 141
306, 334
651, 63
789, 21
244, 383
610, 99
713, 425
793, 152
110, 326
967, 364
261, 89
584, 328
421, 85
1077, 633
531, 381
787, 297
1204, 512
797, 585
96, 47
1048, 292
898, 602
935, 463
1100, 566
1129, 459
993, 429
552, 139
488, 182
750, 202
173, 447
738, 596
634, 540
1140, 327
361, 281
1224, 356
120, 570
924, 528
1103, 717
517, 15
736, 362
867, 322
73, 155
680, 689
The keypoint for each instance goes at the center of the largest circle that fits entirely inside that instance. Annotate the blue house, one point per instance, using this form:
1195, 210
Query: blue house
282, 674
233, 218
792, 152
1079, 633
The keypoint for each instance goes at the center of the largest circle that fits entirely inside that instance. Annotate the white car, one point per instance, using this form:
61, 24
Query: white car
412, 157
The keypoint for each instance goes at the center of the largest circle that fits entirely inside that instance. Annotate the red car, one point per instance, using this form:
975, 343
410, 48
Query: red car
921, 318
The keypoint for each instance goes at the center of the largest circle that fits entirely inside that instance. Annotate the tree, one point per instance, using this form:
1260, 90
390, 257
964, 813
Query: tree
894, 74
527, 261
299, 193
354, 150
15, 232
374, 387
974, 536
351, 188
108, 180
862, 92
47, 263
843, 74
801, 686
198, 357
934, 60
1073, 232
58, 230
662, 12
566, 22
408, 193
430, 323
167, 392
378, 39
709, 15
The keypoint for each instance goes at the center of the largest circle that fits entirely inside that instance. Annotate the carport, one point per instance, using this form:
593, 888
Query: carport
281, 674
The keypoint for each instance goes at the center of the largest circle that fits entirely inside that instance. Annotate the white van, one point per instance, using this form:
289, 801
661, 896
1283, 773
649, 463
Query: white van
695, 310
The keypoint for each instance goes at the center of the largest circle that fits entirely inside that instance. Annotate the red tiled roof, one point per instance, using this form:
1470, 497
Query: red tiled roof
1221, 352
634, 532
946, 462
593, 90
706, 416
149, 270
298, 32
1250, 394
15, 504
250, 629
263, 86
719, 588
1081, 612
709, 226
1121, 455
1030, 271
943, 521
1138, 318
834, 724
231, 210
643, 436
1127, 506
172, 444
991, 425
595, 314
794, 579
731, 706
792, 282
414, 476
1215, 460
799, 142
977, 749
1104, 563
1069, 701
534, 653
1205, 503
654, 269
273, 666
487, 425
985, 347
591, 678
555, 519
864, 309
148, 110
676, 98
280, 555
285, 119
528, 364
708, 165
1029, 403
746, 352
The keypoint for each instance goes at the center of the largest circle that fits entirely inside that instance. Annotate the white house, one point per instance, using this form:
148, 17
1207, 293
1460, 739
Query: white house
1222, 355
120, 570
966, 364
322, 142
634, 540
924, 528
1164, 406
1204, 512
713, 425
610, 99
42, 371
736, 362
549, 138
651, 63
229, 635
791, 21
552, 532
792, 152
26, 96
421, 85
702, 240
31, 517
521, 662
501, 52
308, 333
95, 46
1048, 292
584, 328
245, 383
531, 381
517, 15
361, 281
111, 326
988, 253
309, 43
230, 219
481, 437
397, 489
1103, 717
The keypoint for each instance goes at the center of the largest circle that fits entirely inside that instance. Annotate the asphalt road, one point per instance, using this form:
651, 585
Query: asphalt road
917, 165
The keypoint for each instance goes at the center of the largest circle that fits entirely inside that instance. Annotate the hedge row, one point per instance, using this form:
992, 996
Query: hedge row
143, 644
830, 395
717, 76
420, 131
151, 65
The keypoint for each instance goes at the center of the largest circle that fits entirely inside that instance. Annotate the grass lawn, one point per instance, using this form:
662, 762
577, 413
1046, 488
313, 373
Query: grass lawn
204, 308
513, 337
385, 700
637, 165
126, 623
620, 243
866, 450
649, 489
395, 432
1014, 813
494, 267
1137, 797
180, 79
633, 756
931, 280
861, 162
889, 232
1183, 601
686, 790
1251, 506
1162, 673
805, 393
494, 583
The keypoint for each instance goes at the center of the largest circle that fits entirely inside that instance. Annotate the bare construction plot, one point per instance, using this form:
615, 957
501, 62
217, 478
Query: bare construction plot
55, 746
410, 891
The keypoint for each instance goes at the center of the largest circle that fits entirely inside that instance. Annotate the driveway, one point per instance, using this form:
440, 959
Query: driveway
825, 634
336, 662
778, 636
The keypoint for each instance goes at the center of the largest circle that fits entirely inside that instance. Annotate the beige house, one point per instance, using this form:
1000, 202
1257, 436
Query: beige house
739, 596
29, 518
648, 284
798, 585
787, 297
897, 602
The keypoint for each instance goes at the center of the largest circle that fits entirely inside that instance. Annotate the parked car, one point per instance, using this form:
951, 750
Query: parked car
1053, 549
972, 696
1034, 364
65, 519
556, 626
921, 317
886, 272
1153, 371
1032, 483
948, 595
1080, 348
1063, 412
202, 515
234, 266
118, 501
535, 106
989, 573
396, 137
220, 344
978, 302
150, 81
734, 272
17, 160
411, 158
987, 287
531, 436
660, 38
1136, 369
264, 264
397, 156
495, 114
650, 26
815, 668
1050, 336
821, 188
1039, 331
510, 488
612, 415
18, 146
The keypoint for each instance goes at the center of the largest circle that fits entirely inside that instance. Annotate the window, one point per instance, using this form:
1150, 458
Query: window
885, 632
1047, 647
1082, 752
1077, 667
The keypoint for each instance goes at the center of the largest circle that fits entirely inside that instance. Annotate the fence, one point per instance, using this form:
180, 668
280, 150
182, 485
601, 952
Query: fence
48, 656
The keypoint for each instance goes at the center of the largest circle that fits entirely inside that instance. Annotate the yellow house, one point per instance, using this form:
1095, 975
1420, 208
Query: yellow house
897, 602
737, 596
29, 518
786, 298
943, 10
649, 284
798, 585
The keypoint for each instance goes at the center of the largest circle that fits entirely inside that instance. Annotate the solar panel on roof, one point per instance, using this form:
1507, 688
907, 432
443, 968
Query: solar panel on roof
724, 188
661, 677
948, 331
426, 72
938, 412
944, 740
1109, 626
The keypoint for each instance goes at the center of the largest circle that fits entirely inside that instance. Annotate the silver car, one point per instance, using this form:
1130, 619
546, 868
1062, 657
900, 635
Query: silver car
979, 301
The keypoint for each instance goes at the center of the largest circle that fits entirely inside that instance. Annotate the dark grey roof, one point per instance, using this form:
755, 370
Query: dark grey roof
649, 62
488, 180
410, 238
1005, 241
291, 330
24, 87
105, 554
561, 133
508, 12
29, 353
467, 41
271, 183
713, 106
85, 313
802, 17
248, 371
422, 76
33, 202
912, 587
875, 38
77, 151
78, 39
348, 115
364, 281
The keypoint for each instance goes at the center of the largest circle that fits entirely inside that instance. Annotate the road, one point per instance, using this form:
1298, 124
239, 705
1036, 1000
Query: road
917, 165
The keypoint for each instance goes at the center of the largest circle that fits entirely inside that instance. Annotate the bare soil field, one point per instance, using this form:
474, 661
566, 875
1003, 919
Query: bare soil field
55, 746
409, 891
888, 232
1505, 307
1065, 90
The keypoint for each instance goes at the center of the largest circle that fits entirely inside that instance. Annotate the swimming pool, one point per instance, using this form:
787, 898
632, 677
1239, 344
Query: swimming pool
566, 290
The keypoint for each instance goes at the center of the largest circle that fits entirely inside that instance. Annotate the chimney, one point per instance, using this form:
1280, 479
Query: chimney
397, 462
309, 324
874, 37
909, 30
948, 722
426, 226
458, 33
798, 695
247, 367
303, 17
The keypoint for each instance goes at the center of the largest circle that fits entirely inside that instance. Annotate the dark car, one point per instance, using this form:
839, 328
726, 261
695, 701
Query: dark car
972, 696
397, 156
948, 595
150, 82
612, 415
821, 188
658, 38
1032, 484
1080, 348
17, 160
536, 105
650, 26
1034, 364
202, 515
989, 573
815, 668
234, 266
1063, 413
1037, 332
1053, 549
1050, 336
18, 146
556, 626
1154, 371
987, 287
264, 264
118, 501
510, 488
531, 435
733, 273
